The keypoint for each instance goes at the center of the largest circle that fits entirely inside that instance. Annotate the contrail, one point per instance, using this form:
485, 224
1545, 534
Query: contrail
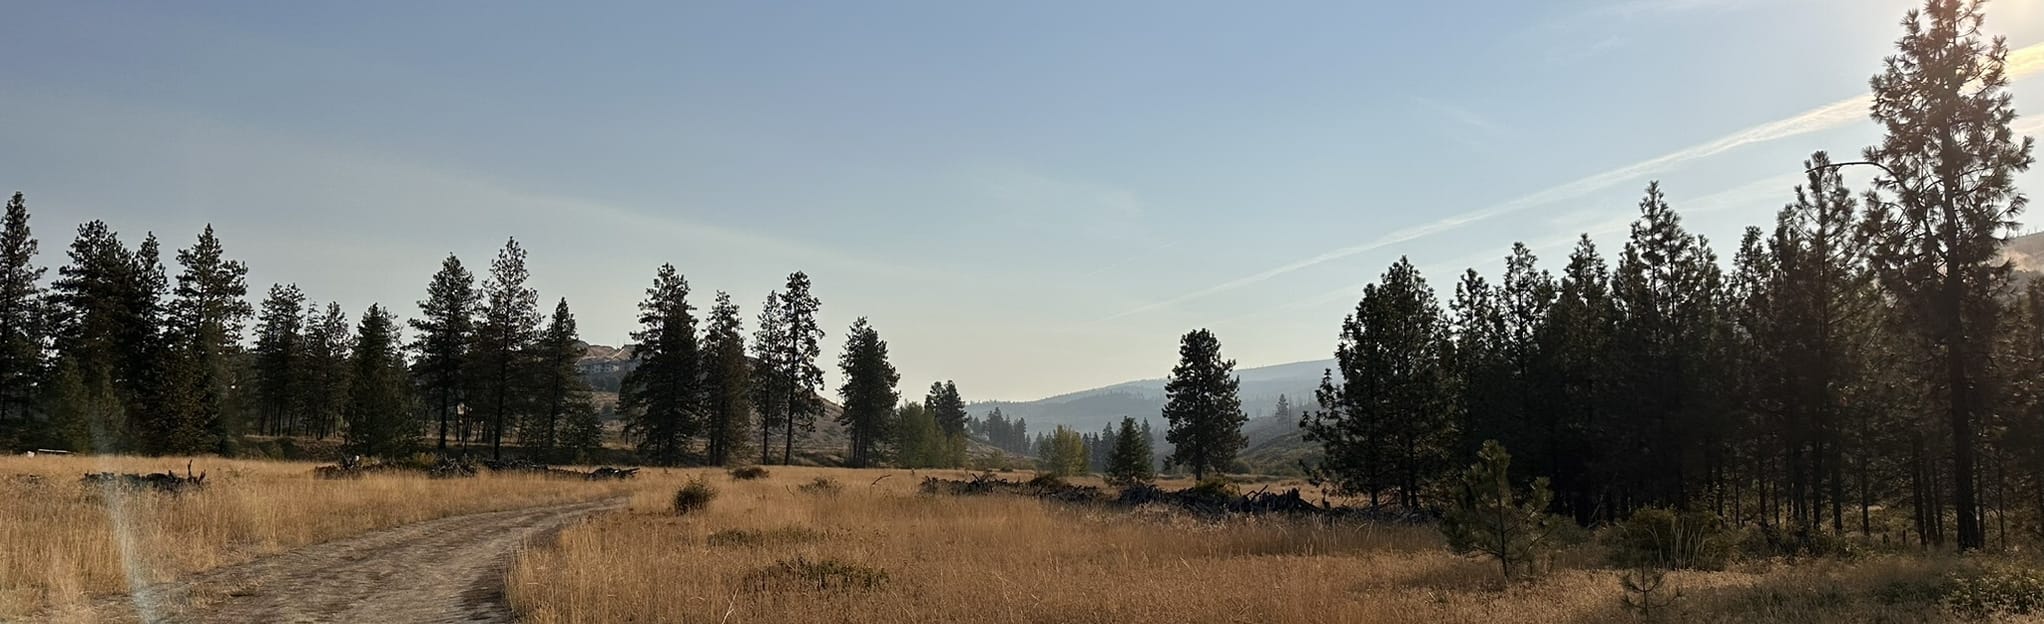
2021, 62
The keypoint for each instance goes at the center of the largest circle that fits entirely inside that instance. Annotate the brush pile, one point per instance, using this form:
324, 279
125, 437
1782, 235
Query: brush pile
167, 482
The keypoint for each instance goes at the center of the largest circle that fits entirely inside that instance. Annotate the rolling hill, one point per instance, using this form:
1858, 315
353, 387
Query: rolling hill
1091, 410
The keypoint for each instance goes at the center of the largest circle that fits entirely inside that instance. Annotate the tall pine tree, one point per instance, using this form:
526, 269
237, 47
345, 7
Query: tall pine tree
502, 354
727, 383
1202, 403
664, 395
21, 320
1941, 208
279, 359
445, 330
868, 392
380, 415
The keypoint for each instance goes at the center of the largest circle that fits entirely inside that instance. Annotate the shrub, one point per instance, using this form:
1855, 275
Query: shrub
1771, 541
1995, 589
802, 573
1656, 537
693, 497
748, 473
821, 486
763, 537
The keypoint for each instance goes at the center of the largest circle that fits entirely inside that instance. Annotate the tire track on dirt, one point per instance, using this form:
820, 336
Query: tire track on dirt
439, 571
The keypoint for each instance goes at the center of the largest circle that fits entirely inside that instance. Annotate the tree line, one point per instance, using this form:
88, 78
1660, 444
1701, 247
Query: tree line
1872, 348
117, 356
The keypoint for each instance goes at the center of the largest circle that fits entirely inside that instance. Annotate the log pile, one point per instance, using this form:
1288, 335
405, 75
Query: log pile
1041, 487
1211, 501
607, 473
354, 467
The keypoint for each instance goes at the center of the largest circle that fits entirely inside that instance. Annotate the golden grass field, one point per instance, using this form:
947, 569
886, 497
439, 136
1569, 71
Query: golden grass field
985, 559
62, 543
999, 559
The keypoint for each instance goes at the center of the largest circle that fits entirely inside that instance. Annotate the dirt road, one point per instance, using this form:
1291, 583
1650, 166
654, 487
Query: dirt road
446, 570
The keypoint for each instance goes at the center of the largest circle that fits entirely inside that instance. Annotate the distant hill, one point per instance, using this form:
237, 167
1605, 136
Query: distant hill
1091, 410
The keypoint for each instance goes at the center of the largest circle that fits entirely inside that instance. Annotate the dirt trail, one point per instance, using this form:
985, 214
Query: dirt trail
446, 570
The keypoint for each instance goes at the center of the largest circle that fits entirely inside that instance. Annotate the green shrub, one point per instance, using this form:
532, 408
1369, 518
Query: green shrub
821, 486
1665, 538
1994, 589
802, 573
693, 497
748, 473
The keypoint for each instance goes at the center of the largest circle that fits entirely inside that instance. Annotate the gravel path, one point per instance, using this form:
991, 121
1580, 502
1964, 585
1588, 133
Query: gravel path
439, 571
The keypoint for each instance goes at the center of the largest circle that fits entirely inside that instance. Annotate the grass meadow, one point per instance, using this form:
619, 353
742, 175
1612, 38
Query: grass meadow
876, 551
63, 544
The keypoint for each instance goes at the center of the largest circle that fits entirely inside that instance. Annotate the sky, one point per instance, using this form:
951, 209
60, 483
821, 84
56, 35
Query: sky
1028, 198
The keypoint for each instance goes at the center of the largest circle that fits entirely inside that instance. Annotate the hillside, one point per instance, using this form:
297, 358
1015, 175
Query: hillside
1091, 410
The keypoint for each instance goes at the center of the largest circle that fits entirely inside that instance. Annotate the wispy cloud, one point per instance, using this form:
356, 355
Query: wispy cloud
2023, 62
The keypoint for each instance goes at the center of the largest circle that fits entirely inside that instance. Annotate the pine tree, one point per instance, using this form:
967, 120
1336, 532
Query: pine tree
1388, 424
664, 395
105, 316
502, 363
323, 396
279, 359
21, 320
798, 347
206, 320
563, 393
949, 408
727, 383
770, 389
1572, 383
1131, 461
1668, 297
1202, 404
1491, 518
1945, 200
868, 391
444, 331
379, 414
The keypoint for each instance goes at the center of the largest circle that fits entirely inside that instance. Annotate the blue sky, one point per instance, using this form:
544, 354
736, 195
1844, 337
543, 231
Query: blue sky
1028, 198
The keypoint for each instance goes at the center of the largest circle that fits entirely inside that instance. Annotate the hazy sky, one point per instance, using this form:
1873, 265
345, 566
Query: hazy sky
1027, 197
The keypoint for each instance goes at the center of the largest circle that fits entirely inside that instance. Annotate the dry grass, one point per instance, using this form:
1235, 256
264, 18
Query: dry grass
64, 543
1007, 559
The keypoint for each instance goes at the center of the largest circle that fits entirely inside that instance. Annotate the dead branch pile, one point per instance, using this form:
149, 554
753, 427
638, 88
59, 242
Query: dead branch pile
1041, 487
167, 482
607, 473
354, 467
1205, 501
